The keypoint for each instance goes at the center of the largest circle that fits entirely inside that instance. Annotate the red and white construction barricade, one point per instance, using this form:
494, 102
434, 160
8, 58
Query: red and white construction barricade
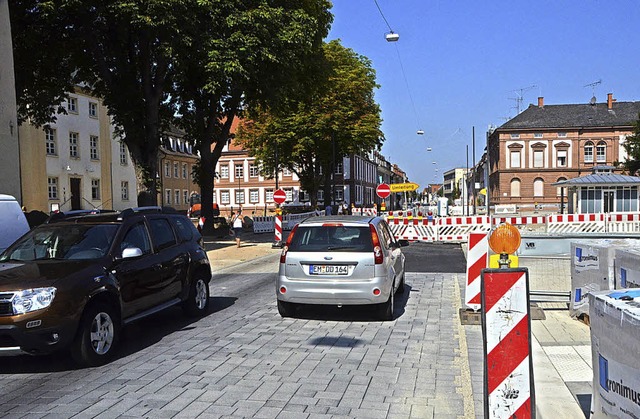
506, 331
278, 229
576, 223
477, 260
623, 222
457, 229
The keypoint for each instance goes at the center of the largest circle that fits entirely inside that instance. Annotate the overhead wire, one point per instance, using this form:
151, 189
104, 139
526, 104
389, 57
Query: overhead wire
404, 74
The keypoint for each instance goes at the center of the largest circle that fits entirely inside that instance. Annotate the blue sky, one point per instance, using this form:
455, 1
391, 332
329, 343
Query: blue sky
467, 61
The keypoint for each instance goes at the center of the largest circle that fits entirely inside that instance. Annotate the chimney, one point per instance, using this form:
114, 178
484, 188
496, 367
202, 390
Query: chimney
610, 100
540, 102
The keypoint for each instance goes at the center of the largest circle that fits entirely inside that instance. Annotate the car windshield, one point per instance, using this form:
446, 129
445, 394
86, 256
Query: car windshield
332, 238
63, 242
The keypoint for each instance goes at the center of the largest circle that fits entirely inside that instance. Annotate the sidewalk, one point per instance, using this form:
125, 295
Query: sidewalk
222, 252
561, 348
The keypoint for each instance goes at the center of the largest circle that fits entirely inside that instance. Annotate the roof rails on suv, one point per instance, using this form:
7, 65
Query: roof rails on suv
129, 212
61, 216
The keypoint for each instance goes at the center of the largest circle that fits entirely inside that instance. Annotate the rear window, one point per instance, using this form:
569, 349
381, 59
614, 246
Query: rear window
333, 238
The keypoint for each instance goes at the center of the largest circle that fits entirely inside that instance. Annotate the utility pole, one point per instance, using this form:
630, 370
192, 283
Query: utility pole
466, 184
473, 178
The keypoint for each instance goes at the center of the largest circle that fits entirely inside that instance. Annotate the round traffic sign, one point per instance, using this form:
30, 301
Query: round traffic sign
383, 190
279, 196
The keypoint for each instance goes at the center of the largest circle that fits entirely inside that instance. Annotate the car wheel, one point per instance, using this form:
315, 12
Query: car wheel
386, 309
286, 309
401, 286
197, 303
97, 336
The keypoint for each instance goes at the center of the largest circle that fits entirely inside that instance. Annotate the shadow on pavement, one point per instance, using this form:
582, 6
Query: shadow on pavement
134, 337
355, 313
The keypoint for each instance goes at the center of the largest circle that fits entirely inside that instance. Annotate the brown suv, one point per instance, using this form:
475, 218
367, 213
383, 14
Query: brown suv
74, 282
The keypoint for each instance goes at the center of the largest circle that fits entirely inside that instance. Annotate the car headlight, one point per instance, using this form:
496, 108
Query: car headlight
32, 300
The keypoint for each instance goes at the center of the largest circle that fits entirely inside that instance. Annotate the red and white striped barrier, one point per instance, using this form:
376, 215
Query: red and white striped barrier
477, 258
201, 223
278, 229
506, 327
457, 229
576, 223
623, 223
518, 221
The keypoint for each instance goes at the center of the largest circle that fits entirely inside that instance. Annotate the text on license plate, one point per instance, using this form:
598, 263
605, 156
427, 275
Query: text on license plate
328, 269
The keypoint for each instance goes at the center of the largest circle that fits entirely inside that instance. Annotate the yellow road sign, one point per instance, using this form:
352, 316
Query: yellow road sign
403, 187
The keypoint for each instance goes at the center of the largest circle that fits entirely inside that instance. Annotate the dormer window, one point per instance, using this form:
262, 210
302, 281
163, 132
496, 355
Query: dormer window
562, 135
515, 136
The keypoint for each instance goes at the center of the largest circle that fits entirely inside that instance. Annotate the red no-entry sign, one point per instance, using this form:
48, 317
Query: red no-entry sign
383, 190
279, 196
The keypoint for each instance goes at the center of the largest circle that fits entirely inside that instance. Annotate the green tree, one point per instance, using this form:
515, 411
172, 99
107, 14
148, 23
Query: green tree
252, 56
632, 147
336, 116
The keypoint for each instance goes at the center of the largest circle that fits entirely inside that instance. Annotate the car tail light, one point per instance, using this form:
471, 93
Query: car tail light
377, 249
285, 249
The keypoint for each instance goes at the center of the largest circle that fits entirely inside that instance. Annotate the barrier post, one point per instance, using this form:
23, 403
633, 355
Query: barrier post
277, 241
506, 331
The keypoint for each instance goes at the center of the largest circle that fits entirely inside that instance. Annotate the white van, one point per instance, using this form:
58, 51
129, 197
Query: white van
13, 223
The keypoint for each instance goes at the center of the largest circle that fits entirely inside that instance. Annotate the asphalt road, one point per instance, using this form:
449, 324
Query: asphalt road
244, 360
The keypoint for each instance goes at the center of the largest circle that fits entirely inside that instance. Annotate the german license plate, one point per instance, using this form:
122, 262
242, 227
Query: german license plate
328, 269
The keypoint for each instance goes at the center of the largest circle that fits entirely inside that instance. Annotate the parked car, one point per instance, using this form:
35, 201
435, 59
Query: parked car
75, 282
13, 222
340, 260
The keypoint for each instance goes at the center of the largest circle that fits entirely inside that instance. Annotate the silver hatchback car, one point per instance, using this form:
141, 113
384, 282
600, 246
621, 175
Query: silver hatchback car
340, 260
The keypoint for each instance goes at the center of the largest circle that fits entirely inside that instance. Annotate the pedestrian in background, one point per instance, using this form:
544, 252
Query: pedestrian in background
328, 210
236, 224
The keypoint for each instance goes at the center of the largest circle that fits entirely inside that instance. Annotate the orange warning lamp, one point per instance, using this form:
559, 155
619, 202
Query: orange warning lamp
504, 241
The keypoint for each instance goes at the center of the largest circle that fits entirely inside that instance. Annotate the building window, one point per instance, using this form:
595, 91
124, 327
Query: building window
123, 153
95, 189
52, 186
224, 171
601, 152
268, 195
286, 172
93, 109
254, 196
72, 105
167, 169
289, 193
225, 197
124, 190
320, 195
176, 195
184, 170
515, 136
339, 168
93, 147
239, 171
562, 158
185, 196
50, 141
167, 196
73, 145
538, 158
176, 170
339, 193
515, 158
538, 188
626, 198
253, 170
515, 187
239, 196
588, 152
537, 135
562, 135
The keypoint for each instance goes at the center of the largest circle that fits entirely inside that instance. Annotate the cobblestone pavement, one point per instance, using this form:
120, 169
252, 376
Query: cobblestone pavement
244, 360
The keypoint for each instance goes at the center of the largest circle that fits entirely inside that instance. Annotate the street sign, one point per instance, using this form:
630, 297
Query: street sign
403, 187
383, 190
279, 196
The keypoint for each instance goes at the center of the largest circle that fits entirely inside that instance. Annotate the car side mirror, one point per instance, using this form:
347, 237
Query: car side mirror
131, 252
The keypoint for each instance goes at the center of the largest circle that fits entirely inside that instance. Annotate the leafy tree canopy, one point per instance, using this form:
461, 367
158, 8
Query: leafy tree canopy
632, 147
336, 116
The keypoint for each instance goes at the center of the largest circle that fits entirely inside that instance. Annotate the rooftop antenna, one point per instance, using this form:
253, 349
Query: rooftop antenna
520, 96
593, 89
